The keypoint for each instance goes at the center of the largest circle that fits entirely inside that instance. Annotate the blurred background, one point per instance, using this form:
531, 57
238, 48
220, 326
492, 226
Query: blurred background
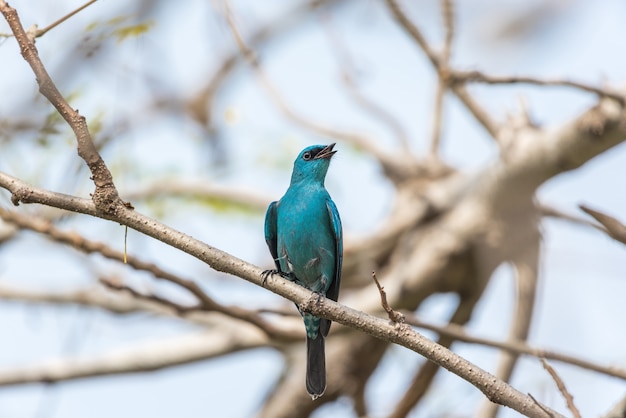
194, 139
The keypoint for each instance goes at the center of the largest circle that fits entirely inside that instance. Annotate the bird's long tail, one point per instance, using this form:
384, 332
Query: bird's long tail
315, 366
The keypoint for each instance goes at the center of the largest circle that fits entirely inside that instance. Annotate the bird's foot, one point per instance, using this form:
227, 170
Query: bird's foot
268, 273
320, 295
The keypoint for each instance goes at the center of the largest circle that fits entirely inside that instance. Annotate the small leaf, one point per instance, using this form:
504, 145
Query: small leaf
132, 31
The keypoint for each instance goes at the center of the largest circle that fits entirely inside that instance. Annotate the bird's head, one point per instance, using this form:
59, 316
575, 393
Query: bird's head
312, 163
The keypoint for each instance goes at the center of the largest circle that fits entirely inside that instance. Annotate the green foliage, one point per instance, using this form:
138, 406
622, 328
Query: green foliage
132, 31
119, 28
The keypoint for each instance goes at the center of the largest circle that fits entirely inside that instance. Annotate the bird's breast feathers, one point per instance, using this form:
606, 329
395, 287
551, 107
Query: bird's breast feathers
306, 242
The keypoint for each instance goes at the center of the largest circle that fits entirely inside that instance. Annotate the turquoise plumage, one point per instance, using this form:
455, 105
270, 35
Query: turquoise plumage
304, 235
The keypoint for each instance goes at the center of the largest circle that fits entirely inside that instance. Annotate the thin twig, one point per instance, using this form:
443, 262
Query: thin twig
442, 84
93, 297
558, 214
614, 228
421, 382
494, 388
41, 32
569, 399
158, 354
479, 77
458, 89
200, 106
543, 408
413, 31
35, 32
117, 285
75, 240
435, 139
447, 8
358, 140
347, 76
105, 196
458, 333
394, 316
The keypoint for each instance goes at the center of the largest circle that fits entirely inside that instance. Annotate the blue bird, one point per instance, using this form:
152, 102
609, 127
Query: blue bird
303, 233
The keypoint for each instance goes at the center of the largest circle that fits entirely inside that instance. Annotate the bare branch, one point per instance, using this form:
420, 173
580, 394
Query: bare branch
413, 31
116, 285
569, 399
479, 77
459, 333
543, 408
614, 228
477, 111
394, 316
367, 105
577, 220
205, 302
435, 138
152, 355
424, 377
95, 297
41, 32
200, 105
105, 196
389, 162
526, 265
442, 84
492, 387
618, 410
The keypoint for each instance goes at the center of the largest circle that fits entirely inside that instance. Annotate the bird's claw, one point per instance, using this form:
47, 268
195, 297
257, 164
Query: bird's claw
268, 273
320, 295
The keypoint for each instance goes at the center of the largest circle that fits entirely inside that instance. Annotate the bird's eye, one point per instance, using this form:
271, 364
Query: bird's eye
306, 156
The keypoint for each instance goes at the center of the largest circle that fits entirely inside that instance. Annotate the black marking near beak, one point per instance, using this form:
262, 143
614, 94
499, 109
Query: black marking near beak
326, 152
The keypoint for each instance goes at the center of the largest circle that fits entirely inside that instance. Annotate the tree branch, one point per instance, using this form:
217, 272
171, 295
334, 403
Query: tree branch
95, 297
477, 111
459, 333
367, 105
447, 8
493, 388
551, 212
152, 355
391, 163
105, 196
569, 399
527, 277
613, 227
41, 32
479, 77
205, 302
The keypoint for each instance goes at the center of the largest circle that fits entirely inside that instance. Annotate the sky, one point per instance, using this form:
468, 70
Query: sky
580, 306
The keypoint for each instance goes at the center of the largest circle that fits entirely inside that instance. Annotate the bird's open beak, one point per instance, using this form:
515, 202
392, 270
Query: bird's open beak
326, 152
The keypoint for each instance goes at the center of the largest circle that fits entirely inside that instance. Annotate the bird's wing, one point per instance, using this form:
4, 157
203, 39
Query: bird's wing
270, 232
335, 223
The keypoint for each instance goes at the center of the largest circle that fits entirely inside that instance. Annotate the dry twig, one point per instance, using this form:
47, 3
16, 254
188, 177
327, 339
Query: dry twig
394, 316
479, 77
613, 227
397, 333
459, 333
41, 32
366, 104
569, 399
388, 161
442, 84
75, 240
459, 90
